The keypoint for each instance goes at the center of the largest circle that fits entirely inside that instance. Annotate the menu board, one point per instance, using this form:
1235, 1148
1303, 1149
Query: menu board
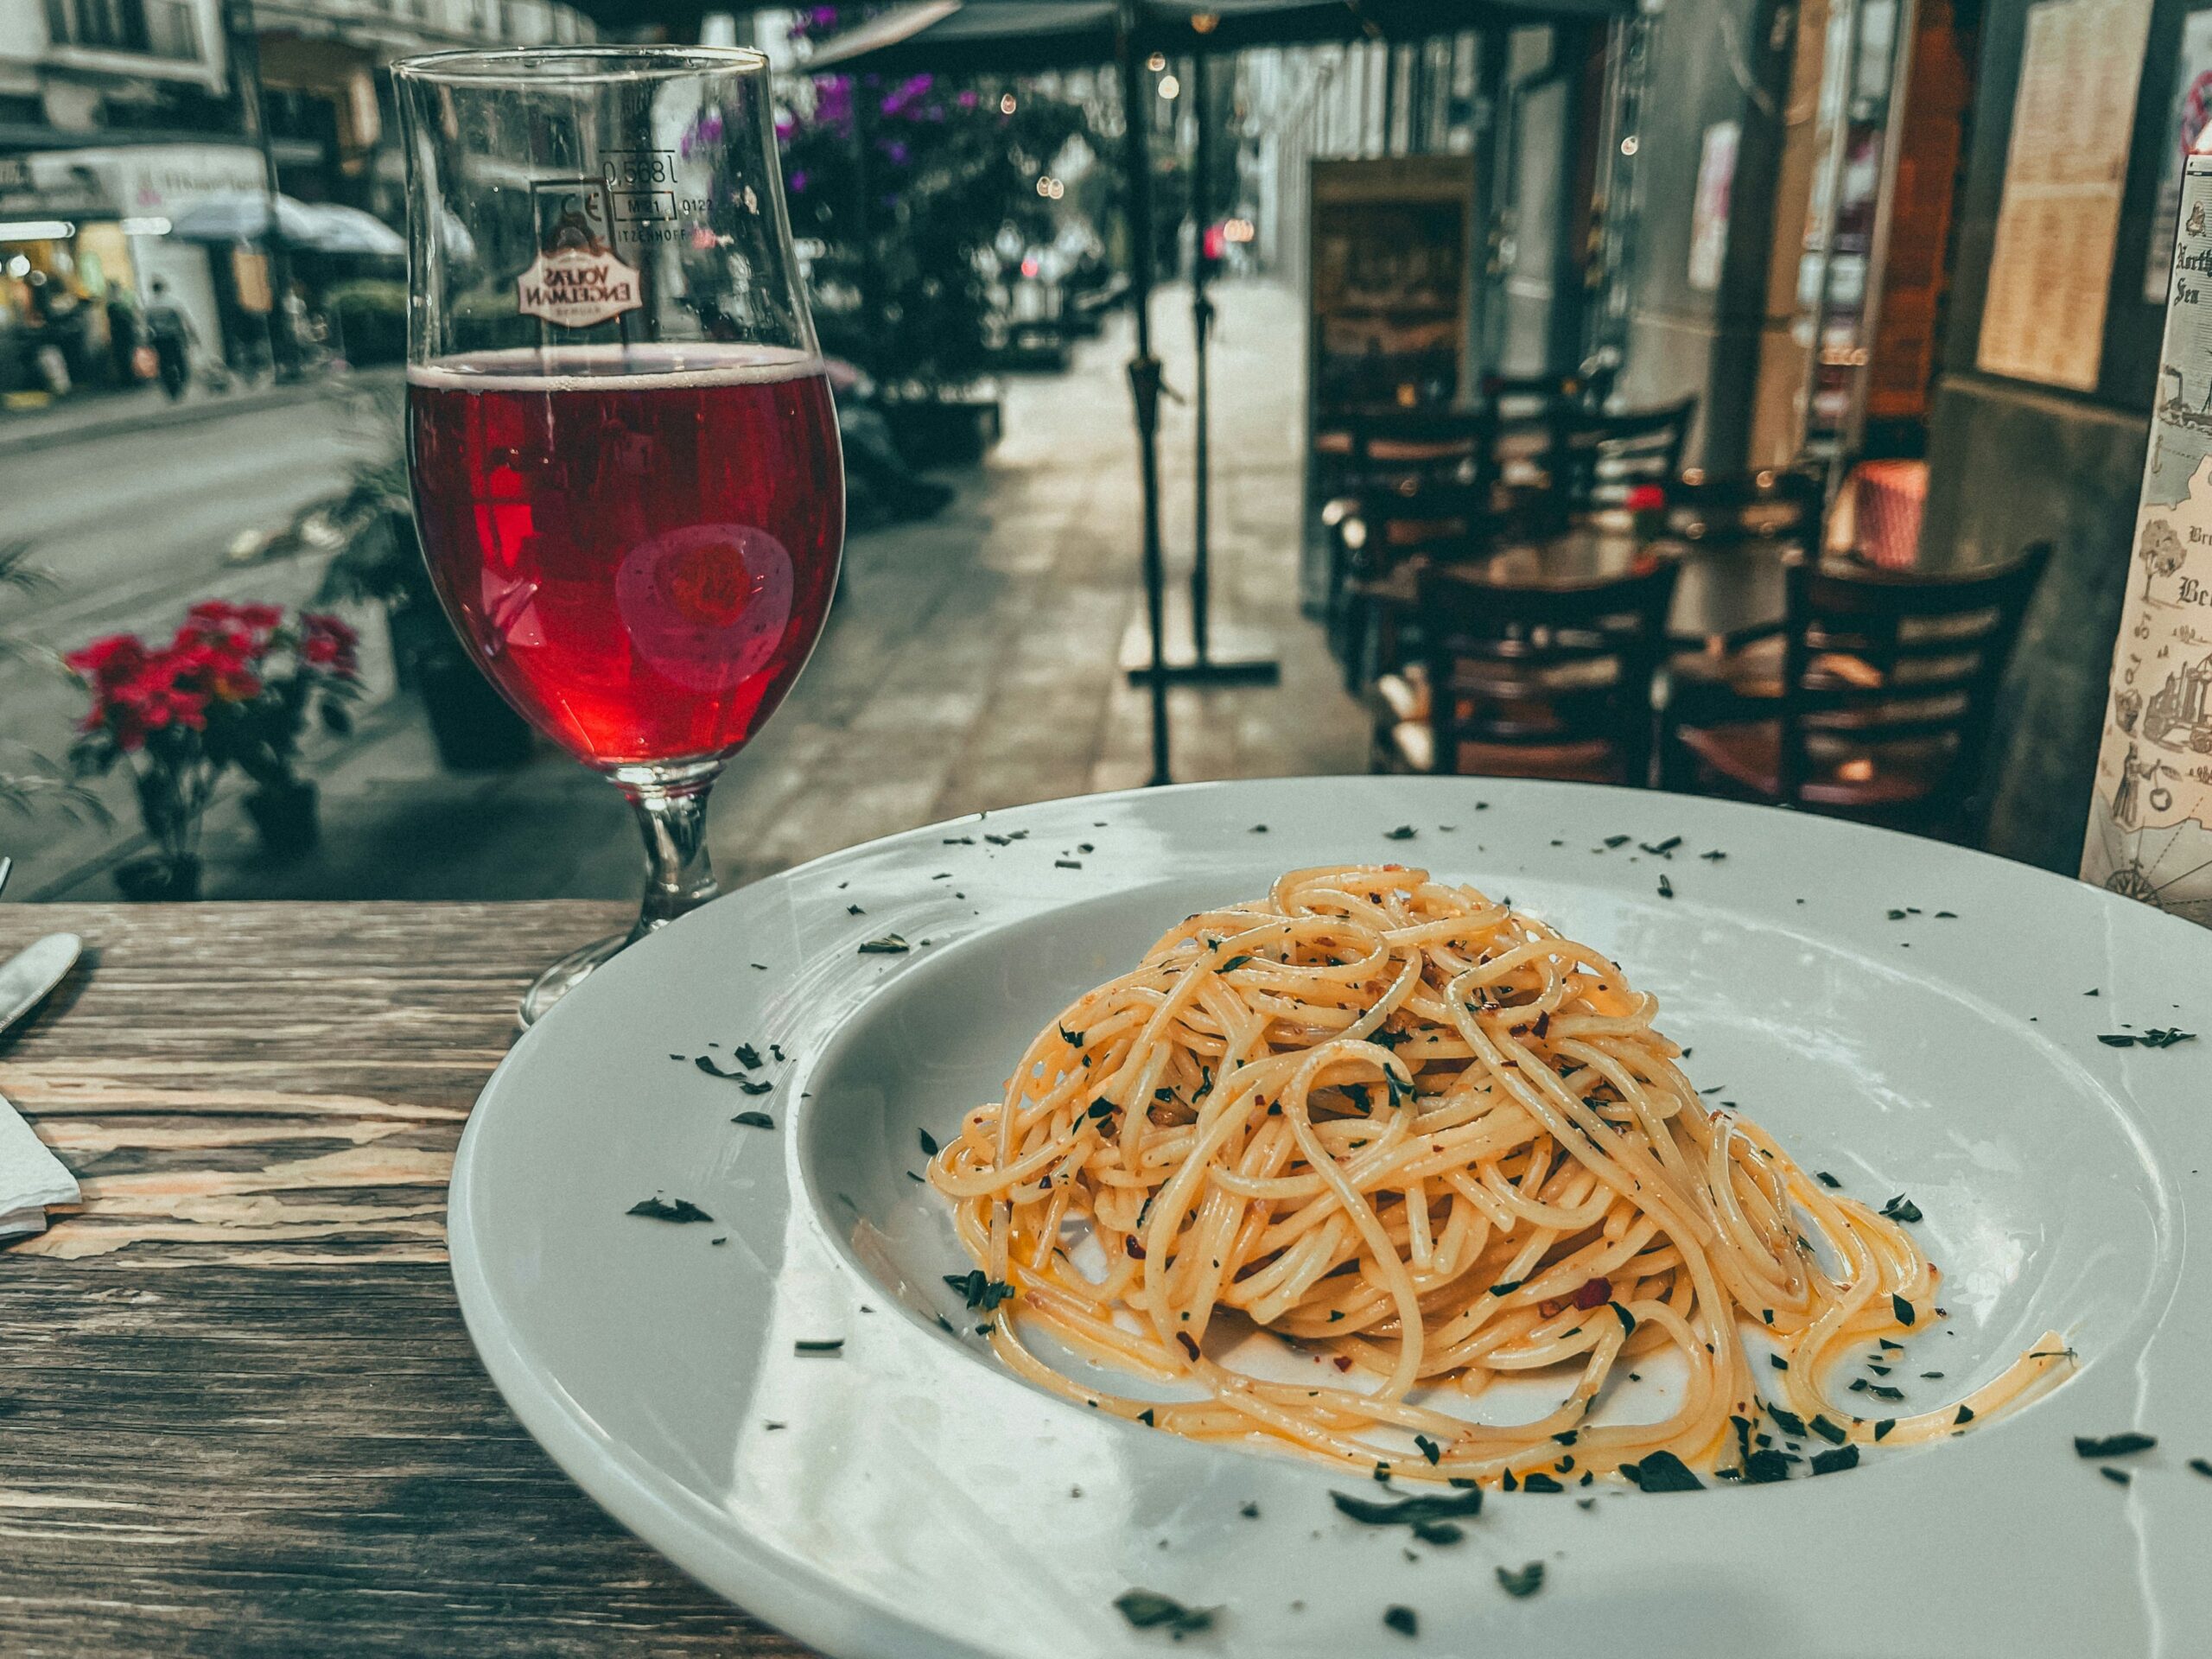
1389, 272
2150, 834
2051, 272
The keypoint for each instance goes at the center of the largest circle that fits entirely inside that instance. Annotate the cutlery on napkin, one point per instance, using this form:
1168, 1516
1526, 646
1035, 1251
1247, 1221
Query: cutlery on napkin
30, 1176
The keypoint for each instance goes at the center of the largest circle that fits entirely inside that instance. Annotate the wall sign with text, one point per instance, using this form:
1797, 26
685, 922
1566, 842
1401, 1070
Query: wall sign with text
2051, 272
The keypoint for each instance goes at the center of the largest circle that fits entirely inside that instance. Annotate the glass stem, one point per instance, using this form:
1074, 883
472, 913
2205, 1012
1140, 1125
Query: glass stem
672, 816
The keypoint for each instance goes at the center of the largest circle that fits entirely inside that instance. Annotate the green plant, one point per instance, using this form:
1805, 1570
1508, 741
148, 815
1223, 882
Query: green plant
370, 562
368, 317
908, 184
17, 570
35, 781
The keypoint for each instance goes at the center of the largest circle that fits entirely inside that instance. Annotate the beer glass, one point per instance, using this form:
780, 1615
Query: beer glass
621, 441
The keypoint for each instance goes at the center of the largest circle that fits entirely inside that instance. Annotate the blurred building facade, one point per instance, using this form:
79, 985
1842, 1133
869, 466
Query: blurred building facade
119, 116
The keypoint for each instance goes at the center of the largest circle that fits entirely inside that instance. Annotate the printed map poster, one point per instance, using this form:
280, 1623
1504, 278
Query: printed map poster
2051, 272
2184, 123
2149, 832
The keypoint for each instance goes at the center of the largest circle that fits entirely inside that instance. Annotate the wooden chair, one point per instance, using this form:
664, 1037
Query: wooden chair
1372, 459
1595, 459
1728, 520
1773, 506
1528, 410
1394, 449
1516, 396
1888, 685
1374, 542
1530, 682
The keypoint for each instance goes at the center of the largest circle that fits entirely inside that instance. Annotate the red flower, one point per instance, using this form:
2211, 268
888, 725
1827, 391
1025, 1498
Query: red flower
257, 622
108, 661
1646, 497
218, 659
227, 642
328, 643
151, 699
160, 699
221, 667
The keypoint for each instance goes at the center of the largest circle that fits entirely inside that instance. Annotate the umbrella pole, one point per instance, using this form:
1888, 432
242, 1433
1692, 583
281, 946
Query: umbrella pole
1201, 326
1144, 373
1203, 668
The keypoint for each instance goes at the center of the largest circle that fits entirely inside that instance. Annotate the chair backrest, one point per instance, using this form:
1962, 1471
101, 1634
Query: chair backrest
1398, 448
1544, 667
1516, 396
1774, 508
1595, 459
1890, 670
1374, 532
1523, 397
1378, 529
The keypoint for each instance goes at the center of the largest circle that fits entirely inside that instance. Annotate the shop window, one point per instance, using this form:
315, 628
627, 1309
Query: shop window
160, 28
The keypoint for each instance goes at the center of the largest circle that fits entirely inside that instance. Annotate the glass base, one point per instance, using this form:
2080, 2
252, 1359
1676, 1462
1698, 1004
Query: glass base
563, 975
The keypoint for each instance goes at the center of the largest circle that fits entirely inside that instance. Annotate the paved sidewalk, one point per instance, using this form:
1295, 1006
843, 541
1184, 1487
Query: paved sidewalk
970, 662
84, 415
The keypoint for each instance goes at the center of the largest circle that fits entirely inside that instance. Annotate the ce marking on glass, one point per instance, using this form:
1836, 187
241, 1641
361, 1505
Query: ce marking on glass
641, 184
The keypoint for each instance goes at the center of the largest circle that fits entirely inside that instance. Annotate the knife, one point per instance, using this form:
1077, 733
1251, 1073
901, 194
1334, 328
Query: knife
28, 976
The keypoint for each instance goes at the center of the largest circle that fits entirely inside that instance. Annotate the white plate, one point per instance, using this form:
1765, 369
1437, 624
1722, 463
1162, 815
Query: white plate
909, 1498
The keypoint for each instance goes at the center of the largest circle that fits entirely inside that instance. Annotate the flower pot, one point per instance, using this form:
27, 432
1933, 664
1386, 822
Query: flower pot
156, 877
473, 726
946, 430
285, 815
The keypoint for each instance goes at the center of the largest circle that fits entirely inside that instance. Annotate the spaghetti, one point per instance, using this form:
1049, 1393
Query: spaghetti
1434, 1143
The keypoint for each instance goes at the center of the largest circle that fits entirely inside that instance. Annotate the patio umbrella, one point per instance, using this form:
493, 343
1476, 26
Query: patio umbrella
348, 230
242, 216
1025, 36
317, 227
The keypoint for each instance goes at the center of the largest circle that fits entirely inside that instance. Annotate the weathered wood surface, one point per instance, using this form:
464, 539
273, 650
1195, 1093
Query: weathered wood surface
238, 1411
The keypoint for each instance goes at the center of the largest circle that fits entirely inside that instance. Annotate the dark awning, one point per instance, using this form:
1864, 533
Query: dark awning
1023, 36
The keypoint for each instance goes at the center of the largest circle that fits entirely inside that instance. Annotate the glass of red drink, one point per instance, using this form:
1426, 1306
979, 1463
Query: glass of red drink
624, 456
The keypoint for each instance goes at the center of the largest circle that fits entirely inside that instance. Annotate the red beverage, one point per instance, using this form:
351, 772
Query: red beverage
639, 544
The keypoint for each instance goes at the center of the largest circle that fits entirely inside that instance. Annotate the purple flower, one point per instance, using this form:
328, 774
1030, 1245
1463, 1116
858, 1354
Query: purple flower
706, 130
897, 152
796, 182
905, 92
967, 100
823, 17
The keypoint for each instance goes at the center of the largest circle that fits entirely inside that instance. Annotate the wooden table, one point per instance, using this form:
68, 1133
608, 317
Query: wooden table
1726, 594
238, 1411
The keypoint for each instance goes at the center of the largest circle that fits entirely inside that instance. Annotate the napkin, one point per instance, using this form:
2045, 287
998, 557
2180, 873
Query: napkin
30, 1176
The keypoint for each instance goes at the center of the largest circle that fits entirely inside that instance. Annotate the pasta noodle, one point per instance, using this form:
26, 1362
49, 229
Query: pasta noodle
1433, 1143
